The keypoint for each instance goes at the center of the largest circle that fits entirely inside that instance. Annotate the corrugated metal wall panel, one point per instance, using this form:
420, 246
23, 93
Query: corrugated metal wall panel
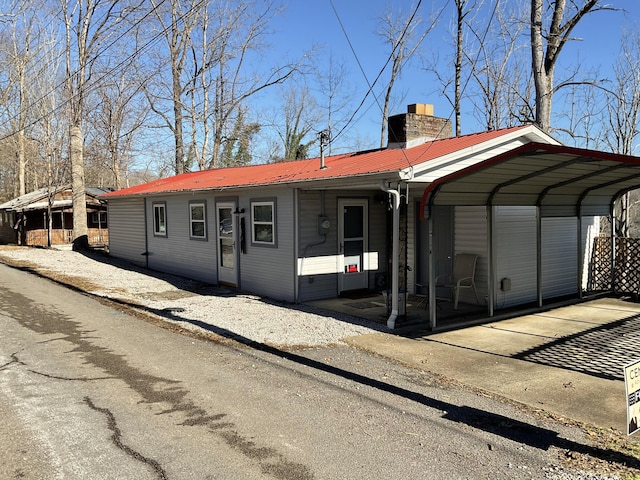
515, 237
177, 253
127, 229
559, 257
471, 237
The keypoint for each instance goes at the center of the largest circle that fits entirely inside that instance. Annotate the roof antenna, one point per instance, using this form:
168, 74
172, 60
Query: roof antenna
325, 139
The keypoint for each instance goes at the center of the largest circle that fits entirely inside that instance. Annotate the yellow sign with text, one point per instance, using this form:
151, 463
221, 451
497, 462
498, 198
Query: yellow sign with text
632, 387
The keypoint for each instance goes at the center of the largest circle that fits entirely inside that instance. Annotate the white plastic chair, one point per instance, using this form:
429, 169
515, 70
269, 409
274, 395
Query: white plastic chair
464, 270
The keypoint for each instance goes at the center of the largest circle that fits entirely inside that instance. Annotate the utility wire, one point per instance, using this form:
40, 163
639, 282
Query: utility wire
369, 84
109, 72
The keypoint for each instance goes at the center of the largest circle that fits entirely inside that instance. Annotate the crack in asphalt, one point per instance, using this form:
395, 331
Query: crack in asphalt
152, 389
116, 438
16, 361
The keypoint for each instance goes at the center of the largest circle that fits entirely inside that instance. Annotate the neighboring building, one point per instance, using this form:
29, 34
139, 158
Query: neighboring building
24, 220
313, 229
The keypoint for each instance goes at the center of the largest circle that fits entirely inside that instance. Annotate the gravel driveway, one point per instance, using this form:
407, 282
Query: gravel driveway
191, 304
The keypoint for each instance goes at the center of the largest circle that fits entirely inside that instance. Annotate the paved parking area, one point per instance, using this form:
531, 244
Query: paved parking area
568, 360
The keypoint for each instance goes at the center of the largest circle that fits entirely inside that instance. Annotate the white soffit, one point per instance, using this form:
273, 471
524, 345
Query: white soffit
432, 170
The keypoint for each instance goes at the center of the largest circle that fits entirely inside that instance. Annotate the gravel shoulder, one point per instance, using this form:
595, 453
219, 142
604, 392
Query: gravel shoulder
206, 310
190, 304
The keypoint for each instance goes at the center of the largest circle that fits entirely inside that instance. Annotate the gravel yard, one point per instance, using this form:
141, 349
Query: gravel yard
191, 304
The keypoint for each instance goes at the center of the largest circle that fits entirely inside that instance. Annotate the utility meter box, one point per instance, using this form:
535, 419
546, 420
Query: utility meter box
323, 225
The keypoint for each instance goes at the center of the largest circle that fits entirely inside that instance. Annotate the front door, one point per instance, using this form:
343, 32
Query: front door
353, 244
227, 249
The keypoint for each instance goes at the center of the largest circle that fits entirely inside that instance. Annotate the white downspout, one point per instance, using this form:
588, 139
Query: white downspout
395, 266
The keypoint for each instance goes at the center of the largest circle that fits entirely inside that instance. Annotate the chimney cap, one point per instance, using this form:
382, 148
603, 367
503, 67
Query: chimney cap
420, 108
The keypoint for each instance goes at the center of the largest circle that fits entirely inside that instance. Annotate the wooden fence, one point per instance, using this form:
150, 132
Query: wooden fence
627, 265
97, 237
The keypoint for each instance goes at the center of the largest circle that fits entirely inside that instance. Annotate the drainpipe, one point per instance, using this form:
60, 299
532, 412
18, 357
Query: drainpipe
391, 321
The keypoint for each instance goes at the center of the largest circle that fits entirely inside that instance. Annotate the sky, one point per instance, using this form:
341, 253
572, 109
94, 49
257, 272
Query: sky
309, 23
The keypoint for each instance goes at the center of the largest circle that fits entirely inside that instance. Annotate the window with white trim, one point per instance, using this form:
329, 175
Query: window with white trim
198, 220
160, 219
263, 222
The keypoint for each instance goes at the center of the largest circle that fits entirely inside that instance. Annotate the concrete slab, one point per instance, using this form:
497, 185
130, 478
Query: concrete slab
567, 361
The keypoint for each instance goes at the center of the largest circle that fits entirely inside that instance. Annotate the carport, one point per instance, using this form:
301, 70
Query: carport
559, 181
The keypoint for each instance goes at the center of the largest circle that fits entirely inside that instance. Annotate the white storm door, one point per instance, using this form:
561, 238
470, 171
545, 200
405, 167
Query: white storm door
227, 244
353, 244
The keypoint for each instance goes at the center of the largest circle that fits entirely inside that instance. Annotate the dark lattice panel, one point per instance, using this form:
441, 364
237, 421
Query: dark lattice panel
627, 273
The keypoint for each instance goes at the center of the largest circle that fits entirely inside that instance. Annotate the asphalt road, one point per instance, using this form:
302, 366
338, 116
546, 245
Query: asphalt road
87, 391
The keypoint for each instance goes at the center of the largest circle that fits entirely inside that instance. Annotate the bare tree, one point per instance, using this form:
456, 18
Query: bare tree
403, 35
623, 115
25, 41
119, 113
241, 35
549, 35
301, 117
498, 70
334, 96
457, 97
90, 25
177, 21
212, 47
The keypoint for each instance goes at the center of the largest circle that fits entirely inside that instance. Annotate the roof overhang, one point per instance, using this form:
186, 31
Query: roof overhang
562, 181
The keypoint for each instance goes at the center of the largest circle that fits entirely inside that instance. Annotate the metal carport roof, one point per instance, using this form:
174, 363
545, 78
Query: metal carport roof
562, 181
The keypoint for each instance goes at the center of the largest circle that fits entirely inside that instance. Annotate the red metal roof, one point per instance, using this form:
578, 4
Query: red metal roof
337, 166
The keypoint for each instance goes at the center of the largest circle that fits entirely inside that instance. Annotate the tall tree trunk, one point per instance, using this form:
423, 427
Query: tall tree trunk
544, 59
22, 163
540, 77
80, 230
177, 118
458, 66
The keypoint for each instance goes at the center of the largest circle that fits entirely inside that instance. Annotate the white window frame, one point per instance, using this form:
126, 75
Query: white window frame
156, 228
255, 223
193, 221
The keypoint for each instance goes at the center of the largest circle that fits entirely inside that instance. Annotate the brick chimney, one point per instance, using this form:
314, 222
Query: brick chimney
416, 127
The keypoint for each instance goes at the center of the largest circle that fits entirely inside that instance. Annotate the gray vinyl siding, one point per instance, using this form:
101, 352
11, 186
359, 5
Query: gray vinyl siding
127, 230
515, 237
317, 262
559, 257
412, 223
270, 270
317, 254
177, 253
471, 237
378, 237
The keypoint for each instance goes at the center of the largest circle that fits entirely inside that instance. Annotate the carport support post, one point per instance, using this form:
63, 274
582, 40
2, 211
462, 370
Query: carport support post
432, 274
612, 209
539, 254
491, 262
580, 255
